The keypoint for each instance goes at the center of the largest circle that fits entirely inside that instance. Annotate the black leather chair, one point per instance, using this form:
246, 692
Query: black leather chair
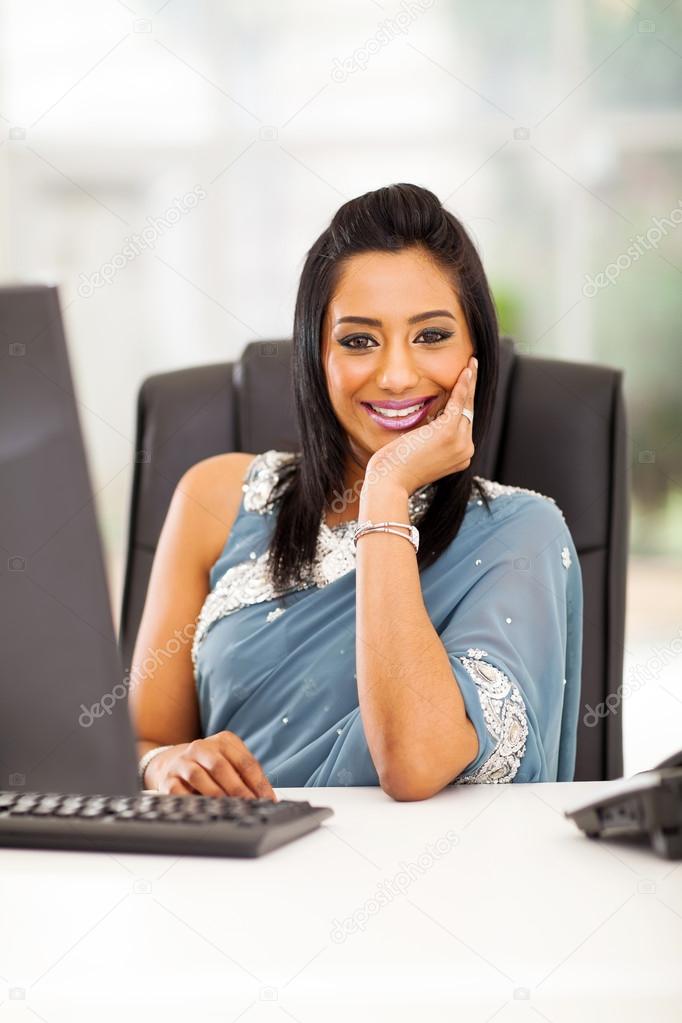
559, 428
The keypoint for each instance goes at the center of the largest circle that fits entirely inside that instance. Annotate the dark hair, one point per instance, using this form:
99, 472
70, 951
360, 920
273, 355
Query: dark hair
389, 219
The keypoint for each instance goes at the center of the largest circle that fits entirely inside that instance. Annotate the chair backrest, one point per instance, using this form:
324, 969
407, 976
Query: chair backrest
559, 428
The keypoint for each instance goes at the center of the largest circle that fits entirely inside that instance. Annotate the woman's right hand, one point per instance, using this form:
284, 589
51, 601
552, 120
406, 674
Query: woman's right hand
219, 765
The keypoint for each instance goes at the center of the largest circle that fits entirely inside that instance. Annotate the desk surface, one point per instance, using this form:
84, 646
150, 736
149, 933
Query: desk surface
484, 898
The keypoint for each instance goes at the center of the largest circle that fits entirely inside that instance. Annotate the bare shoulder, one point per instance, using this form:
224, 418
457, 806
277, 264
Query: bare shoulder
211, 491
215, 479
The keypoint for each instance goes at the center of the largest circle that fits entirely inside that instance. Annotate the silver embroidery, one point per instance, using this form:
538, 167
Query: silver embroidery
249, 582
493, 489
241, 586
263, 474
477, 653
565, 557
505, 716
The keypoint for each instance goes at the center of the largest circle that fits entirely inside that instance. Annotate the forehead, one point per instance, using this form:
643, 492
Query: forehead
391, 285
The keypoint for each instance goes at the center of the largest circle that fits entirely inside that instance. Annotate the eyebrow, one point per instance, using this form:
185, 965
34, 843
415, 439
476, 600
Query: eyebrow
413, 319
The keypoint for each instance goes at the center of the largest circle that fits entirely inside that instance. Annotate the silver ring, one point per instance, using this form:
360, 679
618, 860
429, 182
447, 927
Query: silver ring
469, 413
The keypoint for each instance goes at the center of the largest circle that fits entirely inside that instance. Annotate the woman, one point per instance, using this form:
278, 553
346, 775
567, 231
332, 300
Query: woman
409, 658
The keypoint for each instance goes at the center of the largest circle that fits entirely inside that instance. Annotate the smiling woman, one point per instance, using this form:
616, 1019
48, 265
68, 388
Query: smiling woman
401, 372
402, 270
333, 650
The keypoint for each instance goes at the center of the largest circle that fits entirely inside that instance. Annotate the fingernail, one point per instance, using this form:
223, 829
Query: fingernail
475, 363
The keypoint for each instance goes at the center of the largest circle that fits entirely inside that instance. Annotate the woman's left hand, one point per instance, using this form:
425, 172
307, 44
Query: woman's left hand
435, 449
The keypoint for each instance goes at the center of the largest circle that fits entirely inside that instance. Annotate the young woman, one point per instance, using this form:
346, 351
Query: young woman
410, 658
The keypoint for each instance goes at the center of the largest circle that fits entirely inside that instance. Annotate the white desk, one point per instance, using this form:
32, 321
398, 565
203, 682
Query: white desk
514, 915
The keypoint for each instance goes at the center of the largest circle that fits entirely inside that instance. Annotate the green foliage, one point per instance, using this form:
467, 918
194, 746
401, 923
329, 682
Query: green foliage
509, 307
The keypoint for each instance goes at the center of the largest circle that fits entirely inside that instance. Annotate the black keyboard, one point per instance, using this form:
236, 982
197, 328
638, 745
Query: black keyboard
154, 823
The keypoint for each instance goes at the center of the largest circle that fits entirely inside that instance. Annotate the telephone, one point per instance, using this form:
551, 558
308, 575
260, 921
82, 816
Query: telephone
647, 805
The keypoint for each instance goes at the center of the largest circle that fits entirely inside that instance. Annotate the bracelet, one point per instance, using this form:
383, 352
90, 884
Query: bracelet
145, 760
385, 527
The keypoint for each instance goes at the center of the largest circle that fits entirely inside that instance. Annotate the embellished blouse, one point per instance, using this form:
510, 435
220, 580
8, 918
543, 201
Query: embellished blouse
505, 598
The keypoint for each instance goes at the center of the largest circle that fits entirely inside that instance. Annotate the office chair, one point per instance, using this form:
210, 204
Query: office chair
559, 428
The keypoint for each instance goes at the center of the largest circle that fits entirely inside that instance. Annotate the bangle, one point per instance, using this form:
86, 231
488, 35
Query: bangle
385, 527
148, 756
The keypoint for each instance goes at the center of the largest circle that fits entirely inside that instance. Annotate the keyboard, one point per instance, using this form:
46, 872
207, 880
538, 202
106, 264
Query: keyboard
154, 823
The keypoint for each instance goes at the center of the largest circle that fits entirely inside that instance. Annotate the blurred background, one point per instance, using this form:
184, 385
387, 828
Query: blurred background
169, 164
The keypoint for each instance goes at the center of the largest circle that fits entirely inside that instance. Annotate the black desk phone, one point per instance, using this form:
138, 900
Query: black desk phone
646, 806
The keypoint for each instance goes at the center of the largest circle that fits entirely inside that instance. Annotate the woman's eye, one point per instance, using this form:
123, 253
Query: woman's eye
436, 335
348, 342
431, 337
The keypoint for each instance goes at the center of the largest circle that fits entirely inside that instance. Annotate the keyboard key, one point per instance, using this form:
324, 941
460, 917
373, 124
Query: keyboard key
220, 826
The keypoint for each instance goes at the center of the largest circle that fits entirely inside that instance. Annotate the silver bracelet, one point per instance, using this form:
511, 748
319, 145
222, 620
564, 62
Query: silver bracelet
385, 527
147, 757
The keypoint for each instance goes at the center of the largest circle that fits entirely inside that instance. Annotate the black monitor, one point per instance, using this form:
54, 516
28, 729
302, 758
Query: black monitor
64, 720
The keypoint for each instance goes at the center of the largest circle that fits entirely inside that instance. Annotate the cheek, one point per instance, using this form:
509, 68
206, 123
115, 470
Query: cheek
445, 371
345, 379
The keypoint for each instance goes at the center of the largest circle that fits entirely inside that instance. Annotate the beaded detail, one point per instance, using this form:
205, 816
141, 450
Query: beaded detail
262, 478
505, 716
249, 582
265, 470
493, 489
476, 653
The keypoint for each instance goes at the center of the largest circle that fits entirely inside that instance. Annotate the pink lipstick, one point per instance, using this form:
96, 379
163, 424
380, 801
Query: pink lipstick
399, 422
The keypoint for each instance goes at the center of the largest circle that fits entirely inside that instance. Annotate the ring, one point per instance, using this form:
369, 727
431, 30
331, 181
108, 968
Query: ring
469, 413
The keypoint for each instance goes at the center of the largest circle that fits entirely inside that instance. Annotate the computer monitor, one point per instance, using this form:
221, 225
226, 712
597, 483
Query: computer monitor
64, 719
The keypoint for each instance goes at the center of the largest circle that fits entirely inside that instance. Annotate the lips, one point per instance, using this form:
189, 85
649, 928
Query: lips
403, 403
399, 422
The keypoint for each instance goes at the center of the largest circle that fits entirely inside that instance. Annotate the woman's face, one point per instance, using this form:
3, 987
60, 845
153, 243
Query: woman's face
381, 355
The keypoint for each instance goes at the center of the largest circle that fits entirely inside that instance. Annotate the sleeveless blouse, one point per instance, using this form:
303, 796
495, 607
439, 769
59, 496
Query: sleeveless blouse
505, 598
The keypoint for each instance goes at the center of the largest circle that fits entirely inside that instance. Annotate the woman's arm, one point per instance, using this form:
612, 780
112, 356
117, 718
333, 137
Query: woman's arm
204, 506
510, 652
412, 709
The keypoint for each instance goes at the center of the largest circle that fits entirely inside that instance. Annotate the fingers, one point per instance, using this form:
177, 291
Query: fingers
208, 770
176, 787
462, 397
195, 775
458, 399
248, 767
215, 778
225, 774
466, 397
230, 780
472, 385
219, 765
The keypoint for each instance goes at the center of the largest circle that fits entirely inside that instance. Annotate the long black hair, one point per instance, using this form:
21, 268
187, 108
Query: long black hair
388, 219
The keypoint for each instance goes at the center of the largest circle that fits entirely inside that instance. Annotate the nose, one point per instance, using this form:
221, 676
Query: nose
397, 371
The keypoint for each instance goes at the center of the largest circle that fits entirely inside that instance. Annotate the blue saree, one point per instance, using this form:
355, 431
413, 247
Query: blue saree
505, 598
